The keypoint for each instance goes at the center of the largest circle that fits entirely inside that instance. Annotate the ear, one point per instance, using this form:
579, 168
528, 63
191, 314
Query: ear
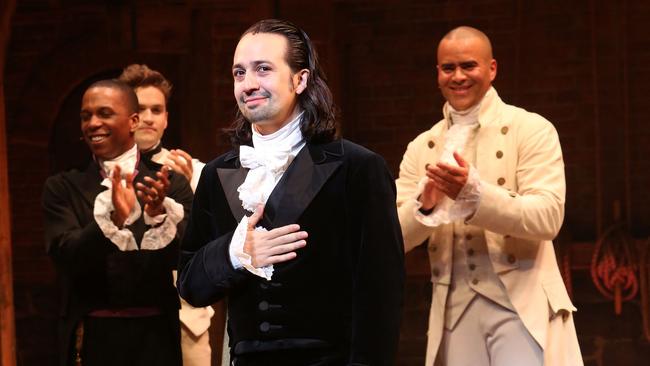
493, 69
166, 116
300, 80
438, 75
134, 119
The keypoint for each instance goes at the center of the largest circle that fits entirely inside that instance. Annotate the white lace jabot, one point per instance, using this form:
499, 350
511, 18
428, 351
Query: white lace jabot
267, 161
127, 162
463, 123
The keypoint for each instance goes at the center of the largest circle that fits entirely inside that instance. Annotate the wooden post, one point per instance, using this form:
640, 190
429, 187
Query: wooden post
7, 323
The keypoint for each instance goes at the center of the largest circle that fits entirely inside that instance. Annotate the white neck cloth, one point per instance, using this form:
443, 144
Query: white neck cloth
127, 162
267, 161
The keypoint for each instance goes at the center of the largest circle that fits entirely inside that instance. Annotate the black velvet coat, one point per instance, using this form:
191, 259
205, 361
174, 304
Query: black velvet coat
93, 272
344, 290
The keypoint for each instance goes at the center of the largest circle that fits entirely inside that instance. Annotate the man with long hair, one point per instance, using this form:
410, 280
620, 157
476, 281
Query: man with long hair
297, 227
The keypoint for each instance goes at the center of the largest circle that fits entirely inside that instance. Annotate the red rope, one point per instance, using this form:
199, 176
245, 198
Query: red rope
613, 269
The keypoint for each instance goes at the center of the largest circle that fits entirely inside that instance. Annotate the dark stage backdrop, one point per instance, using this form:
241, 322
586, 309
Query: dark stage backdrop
584, 65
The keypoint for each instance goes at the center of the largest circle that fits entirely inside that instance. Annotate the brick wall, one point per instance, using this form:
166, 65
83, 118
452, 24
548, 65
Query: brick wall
584, 66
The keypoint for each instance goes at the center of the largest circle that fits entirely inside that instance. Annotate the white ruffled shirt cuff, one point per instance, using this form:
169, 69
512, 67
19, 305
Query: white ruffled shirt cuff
122, 238
157, 237
239, 258
449, 210
164, 226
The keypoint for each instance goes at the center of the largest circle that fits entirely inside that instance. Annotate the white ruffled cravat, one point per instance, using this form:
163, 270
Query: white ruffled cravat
265, 169
448, 210
267, 161
126, 161
463, 123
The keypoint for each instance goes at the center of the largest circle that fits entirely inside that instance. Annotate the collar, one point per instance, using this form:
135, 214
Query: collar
489, 108
466, 117
289, 137
151, 152
127, 161
320, 153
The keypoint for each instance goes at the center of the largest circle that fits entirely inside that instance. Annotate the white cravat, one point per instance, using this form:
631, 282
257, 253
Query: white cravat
267, 161
126, 161
463, 123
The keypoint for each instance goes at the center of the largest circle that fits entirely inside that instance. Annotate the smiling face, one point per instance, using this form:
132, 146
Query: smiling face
265, 87
153, 117
466, 70
106, 124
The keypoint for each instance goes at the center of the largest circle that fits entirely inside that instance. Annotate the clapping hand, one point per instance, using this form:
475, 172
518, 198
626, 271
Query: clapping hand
153, 192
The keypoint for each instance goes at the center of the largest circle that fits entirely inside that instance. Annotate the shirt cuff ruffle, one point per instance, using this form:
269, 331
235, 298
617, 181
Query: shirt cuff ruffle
239, 258
257, 186
449, 210
164, 226
122, 238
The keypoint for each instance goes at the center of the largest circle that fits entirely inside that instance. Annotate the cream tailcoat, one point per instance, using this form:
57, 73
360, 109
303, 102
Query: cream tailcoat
520, 163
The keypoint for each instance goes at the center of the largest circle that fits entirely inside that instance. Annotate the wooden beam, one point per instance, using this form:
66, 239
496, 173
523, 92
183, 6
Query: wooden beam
7, 321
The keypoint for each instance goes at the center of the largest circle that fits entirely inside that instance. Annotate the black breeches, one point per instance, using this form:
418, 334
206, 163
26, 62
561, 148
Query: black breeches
144, 341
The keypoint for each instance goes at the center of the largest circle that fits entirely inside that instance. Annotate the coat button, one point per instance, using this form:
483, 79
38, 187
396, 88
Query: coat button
472, 266
436, 272
470, 252
263, 305
511, 258
512, 194
431, 144
267, 285
264, 327
504, 130
475, 281
501, 181
499, 154
434, 248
